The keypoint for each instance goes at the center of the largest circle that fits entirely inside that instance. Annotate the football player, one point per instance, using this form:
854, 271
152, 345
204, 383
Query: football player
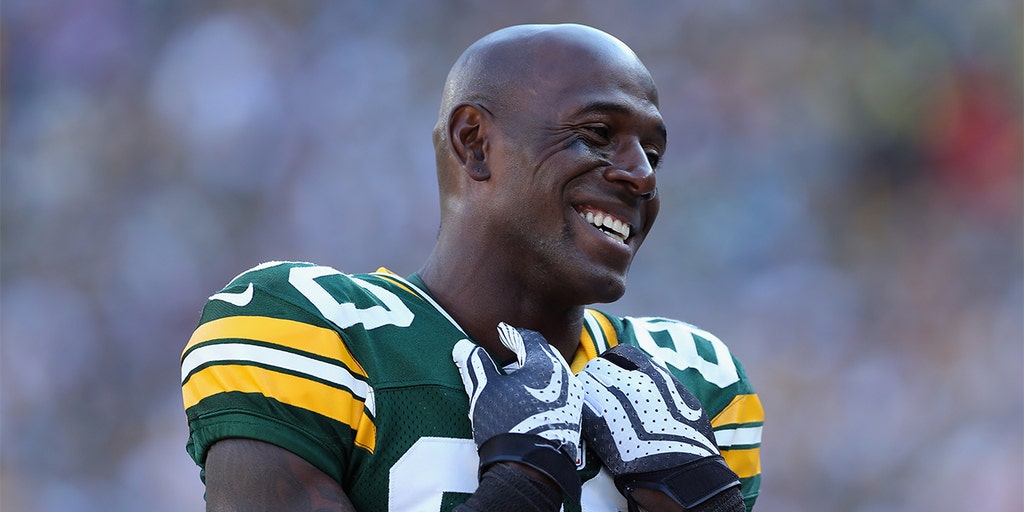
485, 381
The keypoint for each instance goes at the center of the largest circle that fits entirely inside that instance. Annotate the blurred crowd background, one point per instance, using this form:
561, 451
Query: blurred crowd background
842, 204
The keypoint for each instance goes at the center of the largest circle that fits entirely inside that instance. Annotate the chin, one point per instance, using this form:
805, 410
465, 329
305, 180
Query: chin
610, 289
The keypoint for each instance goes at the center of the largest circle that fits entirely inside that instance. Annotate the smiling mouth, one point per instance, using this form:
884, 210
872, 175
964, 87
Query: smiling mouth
616, 229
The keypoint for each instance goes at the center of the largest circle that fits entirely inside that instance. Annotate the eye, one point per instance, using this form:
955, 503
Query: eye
653, 158
598, 132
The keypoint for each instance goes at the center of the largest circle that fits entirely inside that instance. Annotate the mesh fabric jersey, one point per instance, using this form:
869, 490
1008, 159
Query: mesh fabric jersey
354, 374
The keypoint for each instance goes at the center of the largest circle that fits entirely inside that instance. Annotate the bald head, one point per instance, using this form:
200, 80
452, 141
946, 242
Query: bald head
541, 128
511, 66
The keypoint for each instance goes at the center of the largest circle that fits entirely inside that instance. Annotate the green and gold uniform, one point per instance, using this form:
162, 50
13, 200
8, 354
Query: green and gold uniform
354, 373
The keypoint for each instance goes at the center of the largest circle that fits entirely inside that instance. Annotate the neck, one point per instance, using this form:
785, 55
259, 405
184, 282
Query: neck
479, 293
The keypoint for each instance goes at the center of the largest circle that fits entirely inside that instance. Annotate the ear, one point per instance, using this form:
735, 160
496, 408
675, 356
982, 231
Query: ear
467, 133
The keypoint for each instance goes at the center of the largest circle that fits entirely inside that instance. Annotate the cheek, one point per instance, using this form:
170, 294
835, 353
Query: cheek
653, 207
651, 214
585, 153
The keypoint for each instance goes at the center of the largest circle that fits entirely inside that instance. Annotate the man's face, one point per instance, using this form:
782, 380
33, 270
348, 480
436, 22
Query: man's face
574, 165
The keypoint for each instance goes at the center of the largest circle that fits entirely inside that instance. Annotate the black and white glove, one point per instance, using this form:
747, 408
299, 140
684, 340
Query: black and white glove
651, 432
531, 415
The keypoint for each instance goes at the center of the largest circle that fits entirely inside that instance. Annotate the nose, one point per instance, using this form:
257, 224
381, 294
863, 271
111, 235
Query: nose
633, 169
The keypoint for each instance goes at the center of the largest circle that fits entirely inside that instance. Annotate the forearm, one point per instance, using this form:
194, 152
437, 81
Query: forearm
243, 474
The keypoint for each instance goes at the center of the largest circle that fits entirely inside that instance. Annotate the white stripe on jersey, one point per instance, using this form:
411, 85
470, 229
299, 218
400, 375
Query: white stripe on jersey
737, 437
279, 359
599, 341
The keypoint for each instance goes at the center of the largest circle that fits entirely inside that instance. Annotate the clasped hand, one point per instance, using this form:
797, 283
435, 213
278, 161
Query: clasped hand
644, 425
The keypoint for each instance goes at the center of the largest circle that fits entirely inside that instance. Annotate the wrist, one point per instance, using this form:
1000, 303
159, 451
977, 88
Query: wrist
650, 500
534, 475
506, 488
538, 454
688, 485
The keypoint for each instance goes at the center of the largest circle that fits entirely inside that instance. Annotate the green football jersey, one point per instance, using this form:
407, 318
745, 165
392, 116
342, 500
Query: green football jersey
354, 373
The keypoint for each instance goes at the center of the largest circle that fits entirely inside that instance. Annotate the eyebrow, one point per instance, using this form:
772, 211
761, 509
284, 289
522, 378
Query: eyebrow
600, 106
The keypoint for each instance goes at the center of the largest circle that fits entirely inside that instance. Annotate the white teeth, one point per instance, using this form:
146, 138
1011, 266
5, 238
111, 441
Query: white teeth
612, 223
620, 230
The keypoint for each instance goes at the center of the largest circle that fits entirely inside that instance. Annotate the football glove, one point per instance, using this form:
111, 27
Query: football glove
651, 432
531, 415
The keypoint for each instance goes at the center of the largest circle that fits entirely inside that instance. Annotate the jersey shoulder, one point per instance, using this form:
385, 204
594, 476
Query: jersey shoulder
709, 369
378, 323
280, 355
696, 356
297, 291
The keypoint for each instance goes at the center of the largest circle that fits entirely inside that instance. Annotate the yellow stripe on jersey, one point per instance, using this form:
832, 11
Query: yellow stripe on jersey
606, 327
366, 434
398, 283
584, 353
286, 333
742, 409
342, 405
588, 348
334, 403
745, 462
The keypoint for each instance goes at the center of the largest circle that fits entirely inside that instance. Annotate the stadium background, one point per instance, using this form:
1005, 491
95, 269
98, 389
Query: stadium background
842, 205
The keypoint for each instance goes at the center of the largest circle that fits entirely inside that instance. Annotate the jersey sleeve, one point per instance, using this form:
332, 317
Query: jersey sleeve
261, 365
707, 367
738, 434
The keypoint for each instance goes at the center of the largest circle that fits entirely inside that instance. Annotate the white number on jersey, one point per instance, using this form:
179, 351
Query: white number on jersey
435, 465
345, 315
683, 354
